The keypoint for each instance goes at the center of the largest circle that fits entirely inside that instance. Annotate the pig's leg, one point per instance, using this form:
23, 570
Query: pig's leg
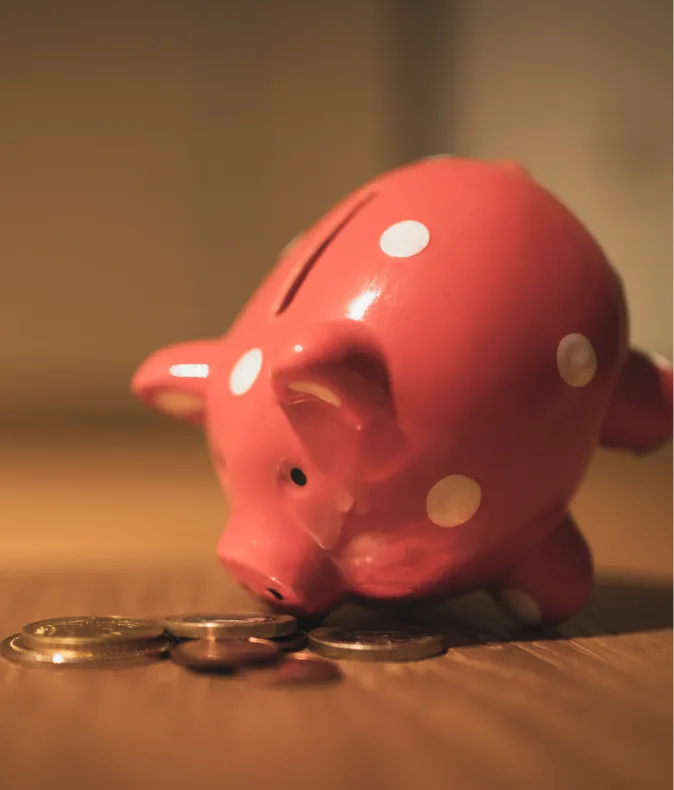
552, 581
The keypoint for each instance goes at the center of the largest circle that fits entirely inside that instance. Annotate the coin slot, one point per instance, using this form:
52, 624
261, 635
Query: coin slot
305, 269
275, 593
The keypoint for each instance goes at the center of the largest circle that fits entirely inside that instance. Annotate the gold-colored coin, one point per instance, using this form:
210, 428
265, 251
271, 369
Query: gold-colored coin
365, 644
76, 632
15, 649
217, 654
229, 625
299, 669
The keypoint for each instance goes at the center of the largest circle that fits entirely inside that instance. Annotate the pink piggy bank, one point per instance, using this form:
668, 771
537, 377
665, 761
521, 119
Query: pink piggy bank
409, 402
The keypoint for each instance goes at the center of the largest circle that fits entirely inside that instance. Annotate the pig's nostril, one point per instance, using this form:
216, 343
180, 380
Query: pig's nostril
275, 593
297, 476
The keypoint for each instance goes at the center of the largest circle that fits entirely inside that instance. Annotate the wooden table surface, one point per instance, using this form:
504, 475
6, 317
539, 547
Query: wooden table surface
118, 524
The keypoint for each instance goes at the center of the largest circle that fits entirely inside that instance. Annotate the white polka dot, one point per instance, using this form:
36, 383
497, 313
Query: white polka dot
404, 239
245, 372
178, 403
576, 360
453, 500
522, 605
317, 390
660, 361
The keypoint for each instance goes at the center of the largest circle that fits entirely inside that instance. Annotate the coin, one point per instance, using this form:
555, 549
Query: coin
297, 669
288, 644
15, 649
221, 626
364, 644
74, 632
217, 654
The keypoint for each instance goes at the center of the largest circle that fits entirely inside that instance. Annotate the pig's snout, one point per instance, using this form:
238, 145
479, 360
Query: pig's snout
293, 574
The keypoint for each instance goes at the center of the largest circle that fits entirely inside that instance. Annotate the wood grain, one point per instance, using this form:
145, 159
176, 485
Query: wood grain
585, 706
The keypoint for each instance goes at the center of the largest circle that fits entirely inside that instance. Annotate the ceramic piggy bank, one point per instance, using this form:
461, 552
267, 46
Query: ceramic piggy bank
409, 402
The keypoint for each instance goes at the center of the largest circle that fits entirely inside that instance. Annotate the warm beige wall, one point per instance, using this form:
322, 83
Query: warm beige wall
154, 159
581, 91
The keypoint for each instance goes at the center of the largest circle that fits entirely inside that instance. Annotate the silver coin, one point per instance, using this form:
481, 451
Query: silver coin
228, 625
15, 649
75, 632
367, 644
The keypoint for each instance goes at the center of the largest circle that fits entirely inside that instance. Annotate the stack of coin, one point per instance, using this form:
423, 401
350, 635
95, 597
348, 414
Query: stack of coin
253, 646
281, 628
86, 641
256, 646
250, 645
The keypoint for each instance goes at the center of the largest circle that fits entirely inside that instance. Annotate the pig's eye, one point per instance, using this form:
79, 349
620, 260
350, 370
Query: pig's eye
297, 476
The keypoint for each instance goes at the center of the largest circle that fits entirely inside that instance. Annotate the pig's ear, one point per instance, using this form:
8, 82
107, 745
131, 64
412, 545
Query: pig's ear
339, 369
173, 380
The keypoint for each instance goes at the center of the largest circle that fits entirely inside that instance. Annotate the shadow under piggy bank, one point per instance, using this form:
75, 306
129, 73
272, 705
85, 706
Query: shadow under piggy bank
619, 605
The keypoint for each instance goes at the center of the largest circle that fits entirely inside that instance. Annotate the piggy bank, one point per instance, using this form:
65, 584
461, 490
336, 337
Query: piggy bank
409, 402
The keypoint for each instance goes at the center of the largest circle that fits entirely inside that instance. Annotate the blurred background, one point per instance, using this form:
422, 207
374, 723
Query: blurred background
156, 156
